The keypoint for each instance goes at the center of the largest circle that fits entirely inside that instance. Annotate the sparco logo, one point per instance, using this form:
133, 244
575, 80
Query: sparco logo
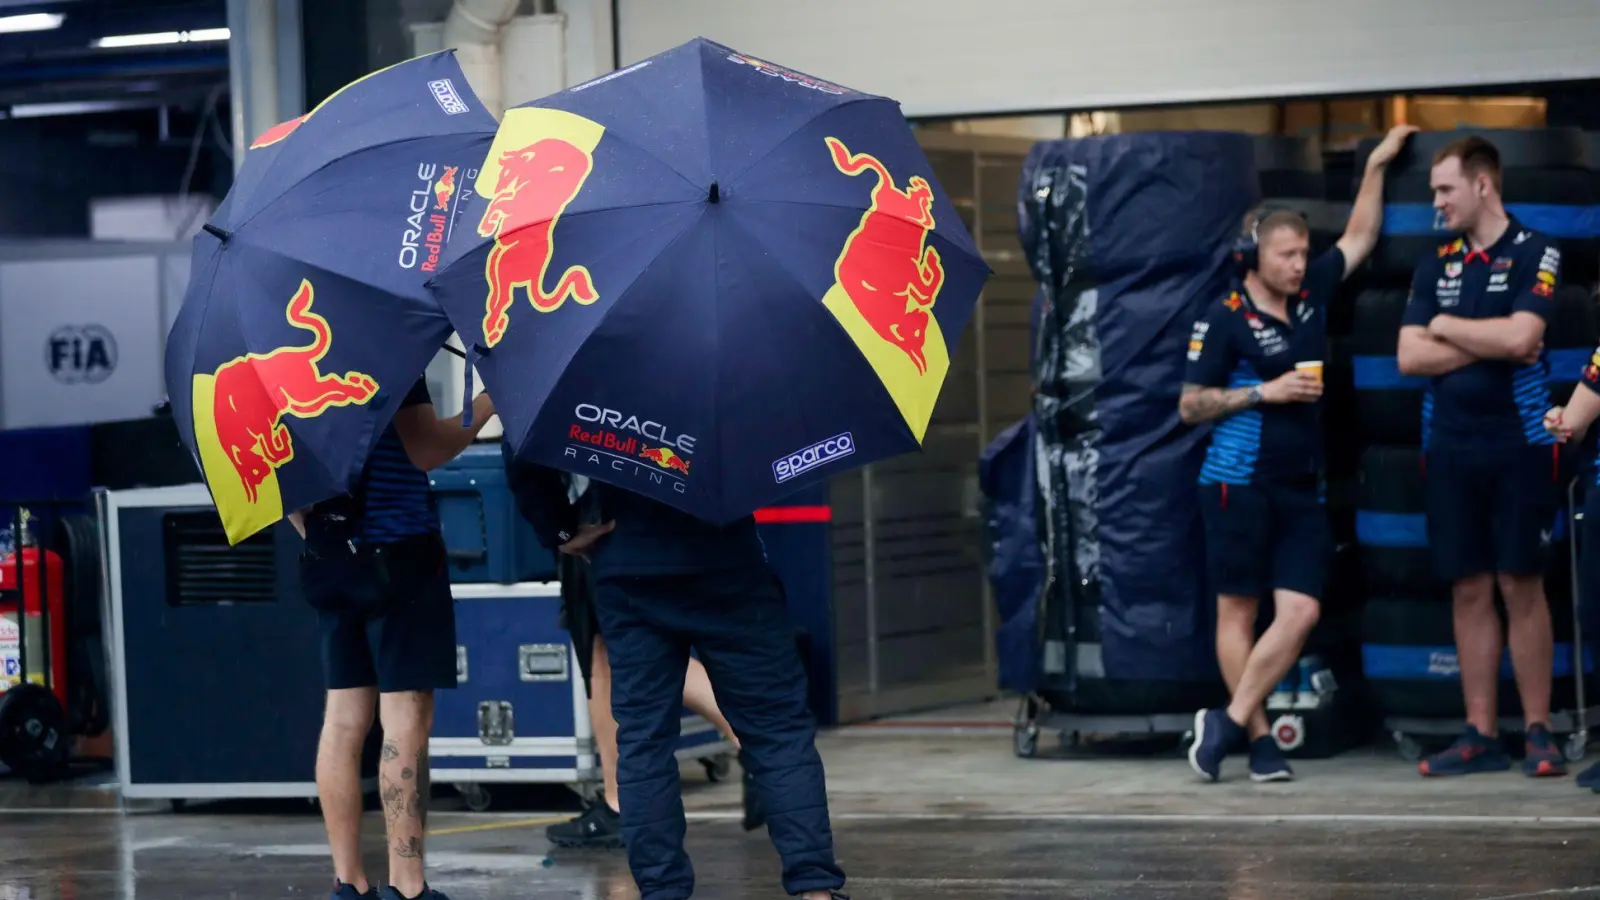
445, 93
654, 431
819, 454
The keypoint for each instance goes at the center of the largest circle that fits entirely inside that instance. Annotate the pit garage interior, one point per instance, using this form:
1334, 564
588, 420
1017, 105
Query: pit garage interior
191, 703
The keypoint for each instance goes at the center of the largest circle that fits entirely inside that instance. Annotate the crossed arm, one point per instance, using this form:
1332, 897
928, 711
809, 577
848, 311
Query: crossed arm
1447, 343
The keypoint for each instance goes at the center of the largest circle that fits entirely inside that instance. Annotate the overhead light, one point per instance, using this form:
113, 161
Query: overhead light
157, 38
87, 107
30, 22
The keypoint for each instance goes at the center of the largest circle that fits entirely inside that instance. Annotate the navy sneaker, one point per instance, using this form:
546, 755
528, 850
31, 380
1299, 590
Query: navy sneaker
1470, 754
388, 892
1215, 736
1267, 762
1542, 759
342, 891
1590, 778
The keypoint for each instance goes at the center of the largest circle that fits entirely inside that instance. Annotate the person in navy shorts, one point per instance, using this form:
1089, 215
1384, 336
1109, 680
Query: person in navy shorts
1254, 370
374, 568
1474, 327
1569, 424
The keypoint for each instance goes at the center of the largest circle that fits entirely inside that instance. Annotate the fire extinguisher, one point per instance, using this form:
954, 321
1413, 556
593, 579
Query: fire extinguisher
34, 739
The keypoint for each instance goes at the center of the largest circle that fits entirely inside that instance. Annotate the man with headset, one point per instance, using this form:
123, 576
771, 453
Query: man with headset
1266, 530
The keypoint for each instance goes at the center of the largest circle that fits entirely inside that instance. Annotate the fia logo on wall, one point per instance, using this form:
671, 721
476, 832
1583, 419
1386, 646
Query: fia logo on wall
81, 354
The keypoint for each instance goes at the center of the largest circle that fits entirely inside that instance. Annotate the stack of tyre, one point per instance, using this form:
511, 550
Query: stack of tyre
1550, 183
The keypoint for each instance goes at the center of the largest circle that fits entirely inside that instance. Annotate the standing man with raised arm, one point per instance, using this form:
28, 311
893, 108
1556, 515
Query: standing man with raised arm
1474, 326
374, 568
1255, 368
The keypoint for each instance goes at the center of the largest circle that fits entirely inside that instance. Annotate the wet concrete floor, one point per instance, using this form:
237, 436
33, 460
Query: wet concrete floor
932, 814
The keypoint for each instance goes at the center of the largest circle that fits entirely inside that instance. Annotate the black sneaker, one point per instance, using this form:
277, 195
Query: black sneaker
599, 828
342, 891
388, 892
753, 817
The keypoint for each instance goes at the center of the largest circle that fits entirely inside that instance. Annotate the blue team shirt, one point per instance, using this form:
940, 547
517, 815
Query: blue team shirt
1491, 402
399, 495
1237, 345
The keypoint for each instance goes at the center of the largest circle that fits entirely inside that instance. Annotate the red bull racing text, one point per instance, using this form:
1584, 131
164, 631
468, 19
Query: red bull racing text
651, 452
887, 269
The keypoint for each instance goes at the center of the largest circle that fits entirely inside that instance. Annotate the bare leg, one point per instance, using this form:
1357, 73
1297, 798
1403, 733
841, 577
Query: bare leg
1272, 658
1477, 628
602, 722
698, 696
346, 720
1532, 643
1236, 636
403, 779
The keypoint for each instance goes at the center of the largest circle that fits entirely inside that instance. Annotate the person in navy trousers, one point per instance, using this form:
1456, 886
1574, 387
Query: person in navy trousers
665, 582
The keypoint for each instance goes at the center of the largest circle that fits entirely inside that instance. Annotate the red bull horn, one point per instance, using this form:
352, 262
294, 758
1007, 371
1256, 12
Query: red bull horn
445, 187
237, 413
887, 280
537, 166
666, 459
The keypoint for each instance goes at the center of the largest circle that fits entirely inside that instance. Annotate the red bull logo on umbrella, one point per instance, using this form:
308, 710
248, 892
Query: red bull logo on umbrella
887, 280
237, 413
536, 167
666, 459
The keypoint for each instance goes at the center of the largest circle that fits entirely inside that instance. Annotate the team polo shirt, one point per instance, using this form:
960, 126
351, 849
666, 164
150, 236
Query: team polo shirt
1490, 402
1237, 345
399, 495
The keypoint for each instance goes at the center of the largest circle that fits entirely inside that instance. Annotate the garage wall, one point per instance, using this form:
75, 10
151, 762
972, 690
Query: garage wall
952, 57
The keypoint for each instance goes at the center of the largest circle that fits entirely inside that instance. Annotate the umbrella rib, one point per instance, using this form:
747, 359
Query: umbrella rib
865, 98
284, 191
783, 267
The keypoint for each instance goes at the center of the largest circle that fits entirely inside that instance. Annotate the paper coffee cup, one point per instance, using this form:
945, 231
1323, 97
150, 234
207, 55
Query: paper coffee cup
1314, 367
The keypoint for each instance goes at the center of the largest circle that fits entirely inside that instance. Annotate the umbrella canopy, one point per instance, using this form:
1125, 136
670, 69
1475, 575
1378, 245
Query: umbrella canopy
306, 319
710, 279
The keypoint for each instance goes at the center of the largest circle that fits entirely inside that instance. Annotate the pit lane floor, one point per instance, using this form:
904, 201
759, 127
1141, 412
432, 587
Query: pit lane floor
920, 811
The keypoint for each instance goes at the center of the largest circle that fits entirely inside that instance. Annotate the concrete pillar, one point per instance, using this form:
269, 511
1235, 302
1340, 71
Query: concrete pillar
266, 79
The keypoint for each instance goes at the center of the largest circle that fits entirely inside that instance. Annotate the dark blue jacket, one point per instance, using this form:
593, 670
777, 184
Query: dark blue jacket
650, 538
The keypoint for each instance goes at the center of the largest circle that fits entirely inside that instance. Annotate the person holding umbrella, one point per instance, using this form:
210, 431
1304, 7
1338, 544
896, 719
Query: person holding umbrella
374, 568
707, 282
545, 499
293, 368
666, 581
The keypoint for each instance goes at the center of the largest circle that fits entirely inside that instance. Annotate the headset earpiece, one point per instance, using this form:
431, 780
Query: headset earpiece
1247, 249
